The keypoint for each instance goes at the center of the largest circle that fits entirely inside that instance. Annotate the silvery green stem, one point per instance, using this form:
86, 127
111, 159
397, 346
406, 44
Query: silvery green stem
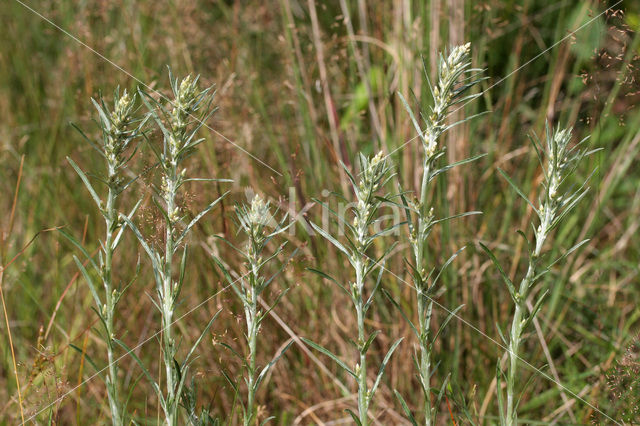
179, 121
562, 161
375, 174
251, 316
253, 220
517, 323
111, 216
176, 144
445, 94
117, 135
252, 330
424, 311
172, 180
425, 305
167, 299
372, 176
361, 369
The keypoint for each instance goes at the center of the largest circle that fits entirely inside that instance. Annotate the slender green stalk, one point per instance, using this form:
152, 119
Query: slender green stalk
562, 160
455, 77
253, 221
375, 174
112, 383
179, 122
185, 99
251, 313
119, 131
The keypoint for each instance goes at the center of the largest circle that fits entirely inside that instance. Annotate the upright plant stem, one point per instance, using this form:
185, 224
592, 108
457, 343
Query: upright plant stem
172, 180
373, 177
370, 182
553, 206
118, 134
517, 324
167, 296
454, 78
425, 305
179, 121
361, 370
253, 220
251, 310
111, 218
375, 174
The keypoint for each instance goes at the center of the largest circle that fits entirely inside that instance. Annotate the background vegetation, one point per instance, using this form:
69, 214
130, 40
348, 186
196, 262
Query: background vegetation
301, 85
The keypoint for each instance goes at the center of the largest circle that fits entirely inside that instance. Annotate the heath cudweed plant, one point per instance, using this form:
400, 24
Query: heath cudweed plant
375, 174
120, 129
553, 206
253, 221
455, 78
179, 122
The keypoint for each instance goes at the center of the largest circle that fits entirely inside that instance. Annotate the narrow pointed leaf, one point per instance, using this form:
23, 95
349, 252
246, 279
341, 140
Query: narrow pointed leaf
199, 339
500, 395
267, 367
89, 360
442, 389
571, 250
267, 420
355, 418
273, 305
504, 339
86, 182
451, 315
510, 286
152, 382
330, 355
199, 216
330, 278
405, 408
116, 240
329, 238
518, 190
366, 345
411, 116
382, 367
457, 216
406, 318
447, 263
142, 241
89, 280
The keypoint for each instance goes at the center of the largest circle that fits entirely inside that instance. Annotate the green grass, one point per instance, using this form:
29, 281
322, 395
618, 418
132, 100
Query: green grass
263, 60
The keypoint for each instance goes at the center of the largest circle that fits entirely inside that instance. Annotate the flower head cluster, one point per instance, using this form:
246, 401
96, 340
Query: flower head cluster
254, 218
447, 92
562, 160
558, 159
190, 108
121, 114
375, 174
118, 129
186, 97
180, 121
